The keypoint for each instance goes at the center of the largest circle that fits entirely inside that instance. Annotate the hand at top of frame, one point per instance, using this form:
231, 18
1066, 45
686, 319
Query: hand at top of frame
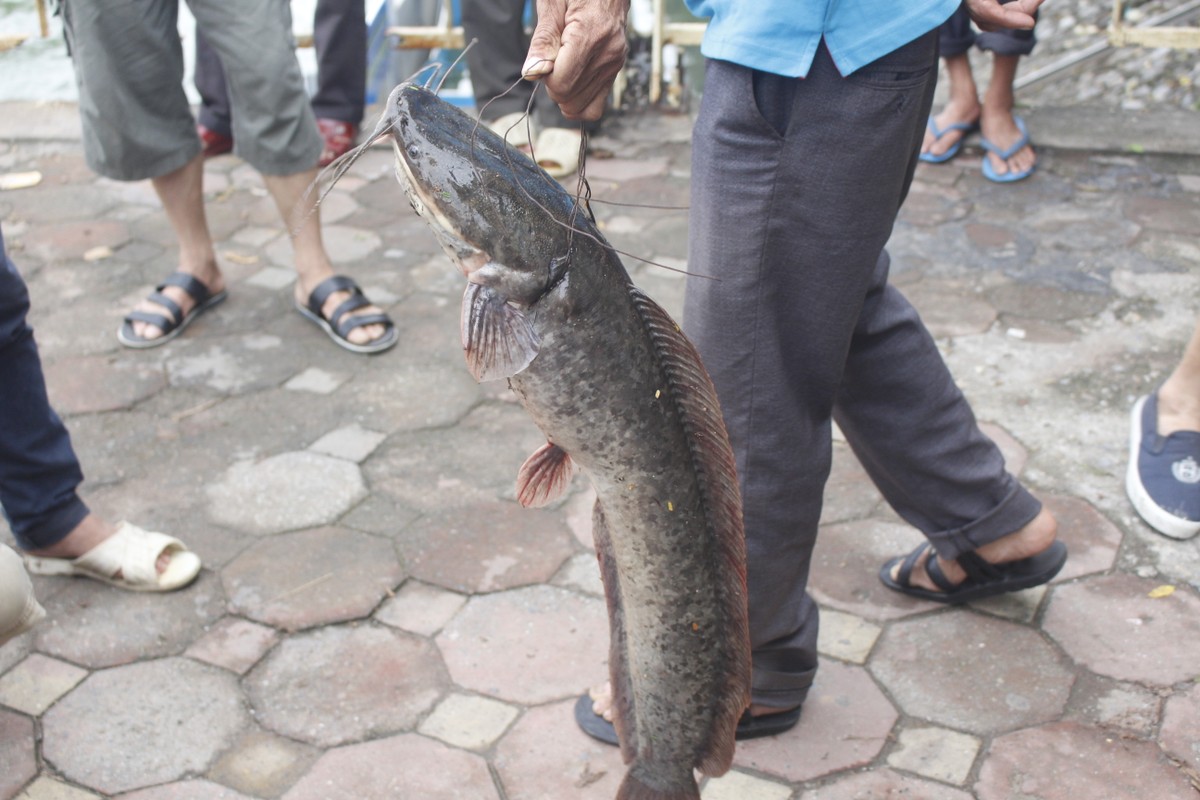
992, 15
577, 50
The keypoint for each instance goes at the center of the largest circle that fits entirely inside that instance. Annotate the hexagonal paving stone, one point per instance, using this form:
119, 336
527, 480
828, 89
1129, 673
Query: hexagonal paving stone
232, 364
972, 672
1066, 760
402, 766
1092, 540
950, 308
99, 626
187, 790
412, 396
468, 721
16, 753
143, 724
1113, 627
845, 723
486, 547
300, 580
235, 644
1180, 733
70, 240
263, 764
884, 783
474, 461
845, 569
547, 757
849, 492
420, 608
101, 383
285, 492
528, 645
345, 683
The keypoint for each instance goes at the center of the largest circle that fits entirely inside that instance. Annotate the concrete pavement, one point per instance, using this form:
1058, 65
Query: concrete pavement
377, 618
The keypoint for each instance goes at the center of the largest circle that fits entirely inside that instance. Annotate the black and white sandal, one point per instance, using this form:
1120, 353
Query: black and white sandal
343, 320
175, 324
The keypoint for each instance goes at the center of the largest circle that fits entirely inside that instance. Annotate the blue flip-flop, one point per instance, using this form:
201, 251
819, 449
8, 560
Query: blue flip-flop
965, 127
989, 171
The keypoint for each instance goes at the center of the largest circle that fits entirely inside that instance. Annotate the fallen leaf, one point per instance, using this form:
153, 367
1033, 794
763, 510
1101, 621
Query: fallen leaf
19, 180
238, 258
1166, 590
98, 253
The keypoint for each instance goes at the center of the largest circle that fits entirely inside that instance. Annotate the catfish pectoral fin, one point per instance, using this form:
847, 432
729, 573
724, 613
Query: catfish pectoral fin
499, 341
545, 476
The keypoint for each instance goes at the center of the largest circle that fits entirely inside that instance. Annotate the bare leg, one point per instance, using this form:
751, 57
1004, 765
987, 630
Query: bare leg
182, 196
997, 123
1179, 396
963, 106
303, 221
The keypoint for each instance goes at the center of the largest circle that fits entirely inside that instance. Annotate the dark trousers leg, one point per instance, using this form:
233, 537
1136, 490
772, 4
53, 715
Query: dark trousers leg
496, 59
340, 37
209, 78
38, 469
795, 189
956, 36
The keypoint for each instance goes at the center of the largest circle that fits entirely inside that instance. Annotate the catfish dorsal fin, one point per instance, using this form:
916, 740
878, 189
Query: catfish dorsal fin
696, 399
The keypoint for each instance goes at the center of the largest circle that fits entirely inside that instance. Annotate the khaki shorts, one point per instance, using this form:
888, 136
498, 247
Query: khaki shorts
19, 609
129, 68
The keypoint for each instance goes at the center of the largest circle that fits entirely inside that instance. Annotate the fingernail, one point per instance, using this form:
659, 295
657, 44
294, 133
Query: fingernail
535, 65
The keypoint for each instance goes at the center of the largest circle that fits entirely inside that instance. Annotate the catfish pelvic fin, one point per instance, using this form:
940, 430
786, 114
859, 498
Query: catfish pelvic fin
544, 477
499, 341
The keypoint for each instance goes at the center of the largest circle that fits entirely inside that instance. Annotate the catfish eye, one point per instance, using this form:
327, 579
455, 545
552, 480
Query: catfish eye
414, 152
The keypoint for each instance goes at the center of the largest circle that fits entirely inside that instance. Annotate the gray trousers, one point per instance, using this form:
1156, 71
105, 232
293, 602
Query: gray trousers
796, 184
128, 64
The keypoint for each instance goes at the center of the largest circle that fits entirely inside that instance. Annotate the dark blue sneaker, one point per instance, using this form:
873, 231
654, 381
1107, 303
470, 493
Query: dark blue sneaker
1163, 481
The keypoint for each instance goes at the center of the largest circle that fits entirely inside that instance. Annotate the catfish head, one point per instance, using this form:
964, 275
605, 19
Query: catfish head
508, 226
503, 221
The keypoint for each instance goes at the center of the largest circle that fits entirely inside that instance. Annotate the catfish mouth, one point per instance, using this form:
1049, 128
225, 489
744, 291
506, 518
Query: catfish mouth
466, 256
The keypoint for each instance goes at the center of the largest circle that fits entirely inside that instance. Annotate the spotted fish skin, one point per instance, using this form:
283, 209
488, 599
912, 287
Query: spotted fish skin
621, 394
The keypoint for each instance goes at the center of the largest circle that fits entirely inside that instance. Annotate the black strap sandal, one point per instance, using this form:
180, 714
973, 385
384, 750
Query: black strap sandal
748, 727
984, 579
175, 324
343, 320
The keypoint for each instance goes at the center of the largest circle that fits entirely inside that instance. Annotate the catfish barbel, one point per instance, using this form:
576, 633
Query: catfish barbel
620, 392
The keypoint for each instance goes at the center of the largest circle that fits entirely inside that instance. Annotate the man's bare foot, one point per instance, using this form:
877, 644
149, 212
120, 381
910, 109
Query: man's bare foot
1030, 540
1177, 411
950, 125
999, 127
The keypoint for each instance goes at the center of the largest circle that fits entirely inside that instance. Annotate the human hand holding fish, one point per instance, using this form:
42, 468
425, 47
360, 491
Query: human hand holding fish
577, 50
992, 15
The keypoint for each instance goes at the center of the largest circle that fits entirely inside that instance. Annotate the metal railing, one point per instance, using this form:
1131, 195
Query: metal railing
1154, 32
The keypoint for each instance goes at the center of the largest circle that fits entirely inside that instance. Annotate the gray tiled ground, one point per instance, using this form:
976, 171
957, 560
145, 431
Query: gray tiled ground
379, 619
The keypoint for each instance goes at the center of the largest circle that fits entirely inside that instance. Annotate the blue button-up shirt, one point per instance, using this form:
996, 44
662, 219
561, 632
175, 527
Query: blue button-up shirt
782, 36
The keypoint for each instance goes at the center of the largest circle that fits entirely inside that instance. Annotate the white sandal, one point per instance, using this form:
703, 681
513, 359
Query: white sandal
515, 129
557, 151
133, 553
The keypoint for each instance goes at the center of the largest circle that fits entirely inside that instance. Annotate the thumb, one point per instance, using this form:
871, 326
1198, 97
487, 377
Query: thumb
545, 43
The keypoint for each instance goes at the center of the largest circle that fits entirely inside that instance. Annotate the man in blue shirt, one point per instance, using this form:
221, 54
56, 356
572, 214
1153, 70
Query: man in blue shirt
803, 150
